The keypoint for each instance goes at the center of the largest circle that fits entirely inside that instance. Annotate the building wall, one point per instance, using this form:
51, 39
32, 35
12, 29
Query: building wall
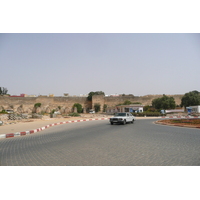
195, 109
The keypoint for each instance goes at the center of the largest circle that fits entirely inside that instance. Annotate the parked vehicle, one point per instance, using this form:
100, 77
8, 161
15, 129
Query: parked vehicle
122, 118
9, 111
92, 111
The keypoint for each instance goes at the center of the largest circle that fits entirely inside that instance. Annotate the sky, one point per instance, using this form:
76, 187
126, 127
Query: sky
115, 63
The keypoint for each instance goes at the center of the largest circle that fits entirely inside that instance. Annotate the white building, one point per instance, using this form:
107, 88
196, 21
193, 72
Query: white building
135, 108
195, 109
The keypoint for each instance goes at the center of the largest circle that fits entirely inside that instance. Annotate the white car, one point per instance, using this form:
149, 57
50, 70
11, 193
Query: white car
122, 118
92, 112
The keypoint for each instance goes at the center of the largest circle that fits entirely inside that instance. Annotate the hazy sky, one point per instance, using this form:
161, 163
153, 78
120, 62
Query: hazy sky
79, 63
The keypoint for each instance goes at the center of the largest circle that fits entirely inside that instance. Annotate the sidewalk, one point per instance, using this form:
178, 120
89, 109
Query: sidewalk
36, 125
28, 125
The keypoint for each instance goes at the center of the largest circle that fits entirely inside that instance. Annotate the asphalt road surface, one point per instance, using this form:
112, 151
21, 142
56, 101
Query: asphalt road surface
97, 143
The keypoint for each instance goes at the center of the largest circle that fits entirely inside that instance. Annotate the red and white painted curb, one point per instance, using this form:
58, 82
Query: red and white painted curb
9, 135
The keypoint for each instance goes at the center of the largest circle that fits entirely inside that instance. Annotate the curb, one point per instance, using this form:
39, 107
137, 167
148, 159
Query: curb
181, 117
17, 134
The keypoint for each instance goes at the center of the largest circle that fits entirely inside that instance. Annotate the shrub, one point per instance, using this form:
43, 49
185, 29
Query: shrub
3, 112
74, 115
150, 109
52, 111
149, 114
104, 107
37, 105
97, 107
79, 107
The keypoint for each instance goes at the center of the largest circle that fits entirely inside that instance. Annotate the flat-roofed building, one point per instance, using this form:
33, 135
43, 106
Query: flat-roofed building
134, 108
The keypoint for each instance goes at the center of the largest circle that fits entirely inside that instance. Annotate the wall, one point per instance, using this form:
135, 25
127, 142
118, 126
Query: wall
144, 100
65, 104
26, 104
98, 99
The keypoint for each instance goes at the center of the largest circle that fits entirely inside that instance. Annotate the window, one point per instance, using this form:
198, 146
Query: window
120, 114
126, 109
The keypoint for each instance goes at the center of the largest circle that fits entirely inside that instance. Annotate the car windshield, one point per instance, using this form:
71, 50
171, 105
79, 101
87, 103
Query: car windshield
120, 114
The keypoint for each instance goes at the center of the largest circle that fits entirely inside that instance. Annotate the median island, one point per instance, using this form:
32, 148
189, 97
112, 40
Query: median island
191, 123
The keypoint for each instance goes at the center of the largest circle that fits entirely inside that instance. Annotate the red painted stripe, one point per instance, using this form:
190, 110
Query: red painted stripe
9, 135
32, 131
22, 133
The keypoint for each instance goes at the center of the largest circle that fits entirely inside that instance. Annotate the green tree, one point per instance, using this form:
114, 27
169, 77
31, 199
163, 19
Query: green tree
146, 108
191, 99
149, 109
104, 107
3, 90
97, 107
94, 93
164, 102
79, 107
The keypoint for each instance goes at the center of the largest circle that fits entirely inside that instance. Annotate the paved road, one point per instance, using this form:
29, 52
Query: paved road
97, 143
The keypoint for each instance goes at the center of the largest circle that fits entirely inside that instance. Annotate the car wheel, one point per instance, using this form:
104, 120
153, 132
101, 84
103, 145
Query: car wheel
124, 122
111, 123
132, 121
